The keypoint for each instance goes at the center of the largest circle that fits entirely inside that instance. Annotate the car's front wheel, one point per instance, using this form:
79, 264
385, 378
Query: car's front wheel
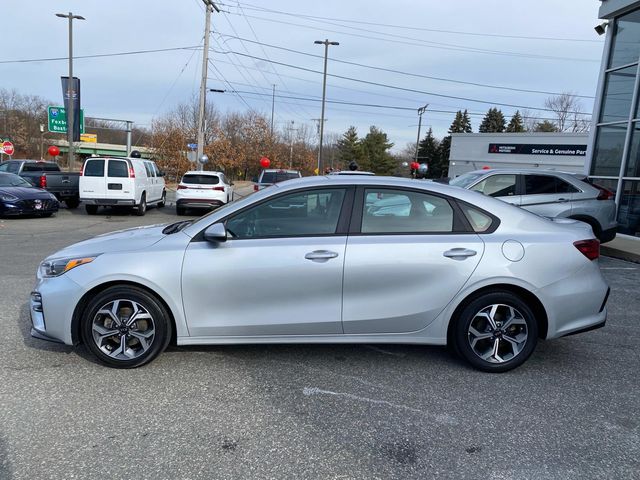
496, 332
126, 327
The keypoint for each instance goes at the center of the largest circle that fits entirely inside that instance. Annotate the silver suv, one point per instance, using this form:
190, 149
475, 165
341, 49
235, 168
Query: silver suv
269, 176
548, 193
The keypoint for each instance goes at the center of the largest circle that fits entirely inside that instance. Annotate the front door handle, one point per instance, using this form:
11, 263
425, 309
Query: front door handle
459, 253
320, 255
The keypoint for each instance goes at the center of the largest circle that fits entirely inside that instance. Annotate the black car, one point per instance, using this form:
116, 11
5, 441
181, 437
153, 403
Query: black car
19, 197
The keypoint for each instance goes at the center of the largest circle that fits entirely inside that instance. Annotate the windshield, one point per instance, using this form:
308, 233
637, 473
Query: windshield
10, 180
465, 180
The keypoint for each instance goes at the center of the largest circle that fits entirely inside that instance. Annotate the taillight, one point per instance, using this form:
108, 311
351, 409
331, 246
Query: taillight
256, 188
604, 193
182, 187
589, 248
132, 173
43, 181
219, 189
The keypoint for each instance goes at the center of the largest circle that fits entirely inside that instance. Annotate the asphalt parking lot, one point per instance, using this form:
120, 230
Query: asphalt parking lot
308, 411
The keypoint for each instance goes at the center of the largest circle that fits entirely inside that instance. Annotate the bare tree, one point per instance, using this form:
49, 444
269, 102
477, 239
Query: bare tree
566, 108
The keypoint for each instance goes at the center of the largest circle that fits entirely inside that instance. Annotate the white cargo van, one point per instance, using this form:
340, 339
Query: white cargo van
120, 181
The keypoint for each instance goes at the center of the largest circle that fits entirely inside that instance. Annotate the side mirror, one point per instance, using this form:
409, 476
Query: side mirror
231, 183
162, 174
216, 233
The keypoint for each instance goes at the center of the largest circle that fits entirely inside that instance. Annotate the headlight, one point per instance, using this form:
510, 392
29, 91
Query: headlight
6, 197
55, 268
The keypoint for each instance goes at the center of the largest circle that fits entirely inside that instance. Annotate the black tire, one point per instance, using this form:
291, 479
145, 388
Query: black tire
163, 200
91, 209
181, 210
524, 328
160, 324
72, 202
142, 207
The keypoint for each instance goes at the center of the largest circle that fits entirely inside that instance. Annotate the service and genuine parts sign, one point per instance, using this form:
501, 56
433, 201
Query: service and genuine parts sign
535, 149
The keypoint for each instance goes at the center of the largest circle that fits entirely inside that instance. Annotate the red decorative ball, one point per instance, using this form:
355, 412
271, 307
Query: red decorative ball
486, 167
265, 162
415, 165
53, 151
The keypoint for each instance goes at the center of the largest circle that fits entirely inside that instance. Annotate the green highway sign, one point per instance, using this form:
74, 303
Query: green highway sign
57, 119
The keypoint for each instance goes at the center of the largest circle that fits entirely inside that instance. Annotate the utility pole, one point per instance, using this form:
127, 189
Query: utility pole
70, 85
273, 104
129, 128
208, 5
326, 44
421, 110
291, 129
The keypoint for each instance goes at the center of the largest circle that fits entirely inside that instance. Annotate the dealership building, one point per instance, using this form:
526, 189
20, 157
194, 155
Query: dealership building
613, 160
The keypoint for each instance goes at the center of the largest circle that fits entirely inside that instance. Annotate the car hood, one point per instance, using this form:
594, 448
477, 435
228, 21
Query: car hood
26, 193
131, 239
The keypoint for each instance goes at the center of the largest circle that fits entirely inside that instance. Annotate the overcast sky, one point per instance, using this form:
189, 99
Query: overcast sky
464, 41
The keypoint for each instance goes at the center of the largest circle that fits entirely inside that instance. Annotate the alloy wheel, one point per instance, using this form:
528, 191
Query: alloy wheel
497, 333
123, 329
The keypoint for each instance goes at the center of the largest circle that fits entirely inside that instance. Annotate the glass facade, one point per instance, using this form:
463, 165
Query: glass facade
615, 162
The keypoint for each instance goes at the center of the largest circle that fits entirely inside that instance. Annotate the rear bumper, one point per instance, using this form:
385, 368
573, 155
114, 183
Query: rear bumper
199, 203
108, 201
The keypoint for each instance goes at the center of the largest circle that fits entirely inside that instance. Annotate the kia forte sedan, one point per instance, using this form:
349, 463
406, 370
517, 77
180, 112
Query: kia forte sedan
335, 259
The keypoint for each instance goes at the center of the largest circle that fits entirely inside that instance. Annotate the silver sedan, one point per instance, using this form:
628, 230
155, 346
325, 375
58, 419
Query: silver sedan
335, 259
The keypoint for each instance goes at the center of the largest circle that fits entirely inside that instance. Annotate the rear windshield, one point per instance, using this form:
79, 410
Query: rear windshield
94, 168
275, 177
195, 179
40, 167
118, 169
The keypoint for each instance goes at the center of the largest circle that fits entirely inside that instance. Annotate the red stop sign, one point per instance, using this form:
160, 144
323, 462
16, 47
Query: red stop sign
7, 148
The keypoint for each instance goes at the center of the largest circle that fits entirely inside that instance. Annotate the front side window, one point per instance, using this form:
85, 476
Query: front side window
497, 186
94, 168
312, 213
118, 169
403, 211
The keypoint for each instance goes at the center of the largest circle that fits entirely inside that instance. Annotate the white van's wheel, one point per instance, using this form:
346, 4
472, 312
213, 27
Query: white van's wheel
142, 208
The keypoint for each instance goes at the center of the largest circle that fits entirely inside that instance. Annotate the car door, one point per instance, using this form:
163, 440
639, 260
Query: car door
154, 194
546, 195
93, 183
407, 256
500, 185
279, 272
118, 184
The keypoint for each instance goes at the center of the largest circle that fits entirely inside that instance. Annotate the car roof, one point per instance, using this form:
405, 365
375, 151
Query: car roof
538, 171
280, 170
202, 172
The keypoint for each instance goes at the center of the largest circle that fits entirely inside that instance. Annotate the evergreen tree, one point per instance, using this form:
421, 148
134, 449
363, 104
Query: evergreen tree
461, 124
545, 126
375, 153
493, 122
429, 153
465, 123
349, 148
516, 124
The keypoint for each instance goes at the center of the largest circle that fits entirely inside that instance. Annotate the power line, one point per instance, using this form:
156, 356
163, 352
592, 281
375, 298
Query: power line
410, 74
99, 55
425, 43
249, 6
405, 89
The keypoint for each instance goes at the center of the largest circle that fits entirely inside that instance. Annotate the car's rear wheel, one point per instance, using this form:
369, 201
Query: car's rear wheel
496, 332
163, 200
126, 327
142, 207
91, 209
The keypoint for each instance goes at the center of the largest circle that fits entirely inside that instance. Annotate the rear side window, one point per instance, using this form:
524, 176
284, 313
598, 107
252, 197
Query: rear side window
40, 167
196, 179
399, 211
118, 169
497, 186
94, 168
546, 184
480, 222
149, 168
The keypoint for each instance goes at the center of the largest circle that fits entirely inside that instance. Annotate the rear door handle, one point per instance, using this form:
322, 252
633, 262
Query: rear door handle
563, 200
320, 255
459, 253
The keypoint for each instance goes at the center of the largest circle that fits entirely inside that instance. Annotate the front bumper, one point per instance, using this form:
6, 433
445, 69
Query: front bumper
28, 207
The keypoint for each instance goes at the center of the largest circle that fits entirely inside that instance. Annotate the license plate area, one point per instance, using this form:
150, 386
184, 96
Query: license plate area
114, 186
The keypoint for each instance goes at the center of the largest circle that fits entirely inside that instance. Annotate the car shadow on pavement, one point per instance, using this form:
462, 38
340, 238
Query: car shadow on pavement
24, 325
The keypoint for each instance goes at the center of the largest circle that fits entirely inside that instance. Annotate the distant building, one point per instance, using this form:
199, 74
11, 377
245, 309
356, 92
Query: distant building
614, 147
557, 151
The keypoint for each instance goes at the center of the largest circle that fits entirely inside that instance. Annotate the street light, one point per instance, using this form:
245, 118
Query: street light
71, 17
326, 44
